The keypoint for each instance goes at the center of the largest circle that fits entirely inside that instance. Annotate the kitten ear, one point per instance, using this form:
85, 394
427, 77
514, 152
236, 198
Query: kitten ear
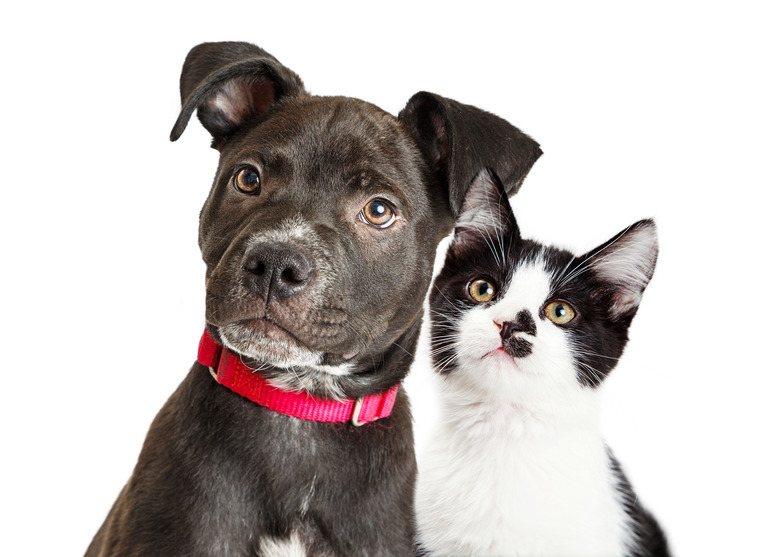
485, 214
627, 262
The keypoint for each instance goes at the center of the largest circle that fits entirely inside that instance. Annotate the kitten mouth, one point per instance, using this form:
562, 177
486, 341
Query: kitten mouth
496, 353
512, 348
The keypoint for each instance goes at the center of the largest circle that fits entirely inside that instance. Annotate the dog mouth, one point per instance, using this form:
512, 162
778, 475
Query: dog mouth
270, 330
269, 344
272, 350
266, 342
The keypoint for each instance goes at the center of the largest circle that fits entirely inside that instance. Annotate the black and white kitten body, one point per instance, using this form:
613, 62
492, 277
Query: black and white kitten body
523, 336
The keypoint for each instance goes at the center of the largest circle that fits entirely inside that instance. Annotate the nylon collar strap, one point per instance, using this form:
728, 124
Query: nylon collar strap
229, 371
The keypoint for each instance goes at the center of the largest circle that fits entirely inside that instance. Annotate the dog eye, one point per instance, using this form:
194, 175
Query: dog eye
247, 181
559, 312
378, 213
482, 290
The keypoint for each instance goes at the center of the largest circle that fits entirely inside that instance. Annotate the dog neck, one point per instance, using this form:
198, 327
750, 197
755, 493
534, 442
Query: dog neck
229, 371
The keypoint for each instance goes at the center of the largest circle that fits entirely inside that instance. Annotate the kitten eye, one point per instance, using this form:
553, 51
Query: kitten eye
247, 181
378, 213
559, 312
482, 290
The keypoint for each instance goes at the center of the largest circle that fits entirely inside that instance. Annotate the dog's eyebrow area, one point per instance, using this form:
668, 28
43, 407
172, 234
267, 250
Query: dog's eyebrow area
371, 183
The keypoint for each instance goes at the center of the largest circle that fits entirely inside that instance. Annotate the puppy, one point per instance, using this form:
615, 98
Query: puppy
290, 435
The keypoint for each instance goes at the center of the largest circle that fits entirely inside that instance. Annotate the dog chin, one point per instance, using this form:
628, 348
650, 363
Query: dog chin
286, 366
269, 351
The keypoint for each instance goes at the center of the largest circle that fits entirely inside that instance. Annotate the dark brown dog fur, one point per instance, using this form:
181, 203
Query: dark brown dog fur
219, 475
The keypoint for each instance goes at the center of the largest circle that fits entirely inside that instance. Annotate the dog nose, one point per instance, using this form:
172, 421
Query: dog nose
276, 271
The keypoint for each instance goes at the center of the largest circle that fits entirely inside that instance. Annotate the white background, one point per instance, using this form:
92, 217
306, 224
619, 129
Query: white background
667, 110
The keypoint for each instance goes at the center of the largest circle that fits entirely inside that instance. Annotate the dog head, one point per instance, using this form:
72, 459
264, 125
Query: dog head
320, 230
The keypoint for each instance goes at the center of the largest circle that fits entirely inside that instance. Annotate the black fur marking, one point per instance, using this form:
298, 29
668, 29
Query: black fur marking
650, 540
524, 322
514, 345
518, 347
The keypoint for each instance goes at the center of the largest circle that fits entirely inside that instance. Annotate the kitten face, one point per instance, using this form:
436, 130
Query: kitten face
510, 314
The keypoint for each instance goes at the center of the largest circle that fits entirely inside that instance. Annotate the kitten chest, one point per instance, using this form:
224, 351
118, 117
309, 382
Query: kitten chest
508, 492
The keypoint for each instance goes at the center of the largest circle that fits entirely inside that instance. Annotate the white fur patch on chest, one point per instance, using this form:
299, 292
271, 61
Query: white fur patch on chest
275, 547
493, 490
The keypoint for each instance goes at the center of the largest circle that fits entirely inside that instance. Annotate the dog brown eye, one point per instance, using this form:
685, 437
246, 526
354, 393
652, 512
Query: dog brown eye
559, 312
247, 180
378, 213
482, 290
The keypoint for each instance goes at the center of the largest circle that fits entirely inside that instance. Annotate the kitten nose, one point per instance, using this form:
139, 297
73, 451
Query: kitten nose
508, 329
514, 345
523, 323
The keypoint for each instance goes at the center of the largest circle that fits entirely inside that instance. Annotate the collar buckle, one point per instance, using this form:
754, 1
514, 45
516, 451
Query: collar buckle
356, 413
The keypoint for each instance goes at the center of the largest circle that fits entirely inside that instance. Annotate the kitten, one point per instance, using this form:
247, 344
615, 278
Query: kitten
523, 336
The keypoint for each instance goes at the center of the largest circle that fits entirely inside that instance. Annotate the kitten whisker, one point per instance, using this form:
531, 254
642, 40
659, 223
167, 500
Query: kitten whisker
441, 339
404, 349
596, 375
499, 235
446, 299
489, 241
442, 349
561, 279
449, 318
597, 355
442, 366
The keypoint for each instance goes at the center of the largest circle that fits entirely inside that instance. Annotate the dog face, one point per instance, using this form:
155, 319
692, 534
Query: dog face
320, 231
306, 270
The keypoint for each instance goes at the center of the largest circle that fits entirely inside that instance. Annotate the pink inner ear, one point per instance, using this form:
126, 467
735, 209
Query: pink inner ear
241, 98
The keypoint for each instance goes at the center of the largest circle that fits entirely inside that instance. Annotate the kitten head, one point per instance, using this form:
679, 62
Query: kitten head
510, 315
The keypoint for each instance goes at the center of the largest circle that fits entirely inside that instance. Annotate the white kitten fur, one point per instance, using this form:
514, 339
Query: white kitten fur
517, 465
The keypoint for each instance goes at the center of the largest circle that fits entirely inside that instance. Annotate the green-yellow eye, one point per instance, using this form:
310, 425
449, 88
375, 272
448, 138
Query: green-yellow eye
482, 290
247, 181
559, 312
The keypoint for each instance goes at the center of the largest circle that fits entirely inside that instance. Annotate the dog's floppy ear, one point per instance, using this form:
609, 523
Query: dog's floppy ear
230, 83
459, 140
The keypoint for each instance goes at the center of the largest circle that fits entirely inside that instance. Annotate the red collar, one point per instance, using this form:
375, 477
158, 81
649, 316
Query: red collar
233, 374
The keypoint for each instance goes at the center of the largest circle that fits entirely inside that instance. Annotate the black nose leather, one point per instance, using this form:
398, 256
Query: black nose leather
514, 346
523, 323
272, 271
